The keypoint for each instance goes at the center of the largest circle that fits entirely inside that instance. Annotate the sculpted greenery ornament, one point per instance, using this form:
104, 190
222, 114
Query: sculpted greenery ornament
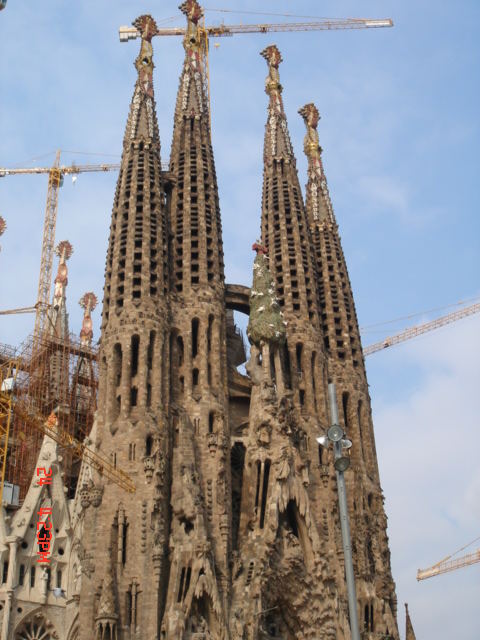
266, 322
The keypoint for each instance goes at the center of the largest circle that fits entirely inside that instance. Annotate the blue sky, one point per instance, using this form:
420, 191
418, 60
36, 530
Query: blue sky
400, 133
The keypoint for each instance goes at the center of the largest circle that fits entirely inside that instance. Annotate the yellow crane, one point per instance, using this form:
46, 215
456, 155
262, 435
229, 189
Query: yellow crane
420, 329
204, 32
448, 564
55, 178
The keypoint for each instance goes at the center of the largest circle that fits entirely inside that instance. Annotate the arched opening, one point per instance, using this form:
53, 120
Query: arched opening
201, 621
36, 627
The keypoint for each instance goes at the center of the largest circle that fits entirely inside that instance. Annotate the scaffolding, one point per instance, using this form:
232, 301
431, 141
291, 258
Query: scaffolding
48, 375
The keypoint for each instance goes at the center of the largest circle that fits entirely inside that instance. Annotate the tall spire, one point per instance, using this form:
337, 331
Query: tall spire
138, 238
284, 229
196, 225
58, 316
318, 205
346, 367
132, 393
291, 260
339, 319
88, 302
409, 632
198, 344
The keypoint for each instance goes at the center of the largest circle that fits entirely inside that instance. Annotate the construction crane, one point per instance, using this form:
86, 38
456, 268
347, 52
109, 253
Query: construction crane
420, 329
203, 32
49, 426
226, 30
447, 564
55, 179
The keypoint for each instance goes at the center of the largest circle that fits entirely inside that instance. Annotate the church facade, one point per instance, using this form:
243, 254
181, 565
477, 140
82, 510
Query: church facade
233, 531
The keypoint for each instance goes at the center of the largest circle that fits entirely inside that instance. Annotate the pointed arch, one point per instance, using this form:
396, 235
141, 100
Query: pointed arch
35, 626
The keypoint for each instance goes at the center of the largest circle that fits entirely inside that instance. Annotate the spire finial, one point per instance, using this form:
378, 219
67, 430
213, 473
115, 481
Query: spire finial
192, 42
317, 183
273, 57
192, 10
64, 250
311, 117
144, 61
88, 302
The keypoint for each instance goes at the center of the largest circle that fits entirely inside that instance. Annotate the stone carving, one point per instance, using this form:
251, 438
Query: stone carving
63, 250
88, 302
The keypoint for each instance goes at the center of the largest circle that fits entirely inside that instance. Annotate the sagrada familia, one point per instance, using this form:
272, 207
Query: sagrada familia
233, 531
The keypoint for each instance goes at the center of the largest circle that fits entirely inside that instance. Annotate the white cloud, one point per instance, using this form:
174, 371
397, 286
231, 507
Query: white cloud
427, 446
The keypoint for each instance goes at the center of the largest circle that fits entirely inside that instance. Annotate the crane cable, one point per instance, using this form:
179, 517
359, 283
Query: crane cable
455, 552
419, 313
263, 13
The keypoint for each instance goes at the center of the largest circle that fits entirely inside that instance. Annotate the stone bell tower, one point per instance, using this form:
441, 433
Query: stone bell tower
125, 537
233, 531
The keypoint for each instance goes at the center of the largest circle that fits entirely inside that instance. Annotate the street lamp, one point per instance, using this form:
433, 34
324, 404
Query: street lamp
336, 435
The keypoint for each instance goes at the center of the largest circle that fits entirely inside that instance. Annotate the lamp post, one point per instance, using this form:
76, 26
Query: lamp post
336, 435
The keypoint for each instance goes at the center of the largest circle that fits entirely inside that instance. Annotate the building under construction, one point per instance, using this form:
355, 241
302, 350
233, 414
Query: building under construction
189, 500
52, 371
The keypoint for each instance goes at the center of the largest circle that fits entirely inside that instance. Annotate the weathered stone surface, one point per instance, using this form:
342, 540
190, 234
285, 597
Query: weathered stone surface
233, 532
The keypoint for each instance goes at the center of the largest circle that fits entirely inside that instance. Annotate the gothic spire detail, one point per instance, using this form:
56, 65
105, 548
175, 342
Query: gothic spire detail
319, 205
88, 302
106, 618
192, 97
339, 321
195, 211
58, 314
142, 121
277, 139
409, 632
138, 238
284, 223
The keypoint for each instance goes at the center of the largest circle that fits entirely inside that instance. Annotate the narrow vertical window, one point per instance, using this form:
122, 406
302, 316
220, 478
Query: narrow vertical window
148, 445
195, 325
5, 572
32, 576
187, 581
298, 351
117, 363
195, 375
257, 492
134, 355
345, 410
211, 418
21, 575
124, 543
180, 588
263, 507
151, 344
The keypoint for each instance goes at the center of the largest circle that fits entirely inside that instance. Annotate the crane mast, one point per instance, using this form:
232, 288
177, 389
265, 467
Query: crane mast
55, 177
